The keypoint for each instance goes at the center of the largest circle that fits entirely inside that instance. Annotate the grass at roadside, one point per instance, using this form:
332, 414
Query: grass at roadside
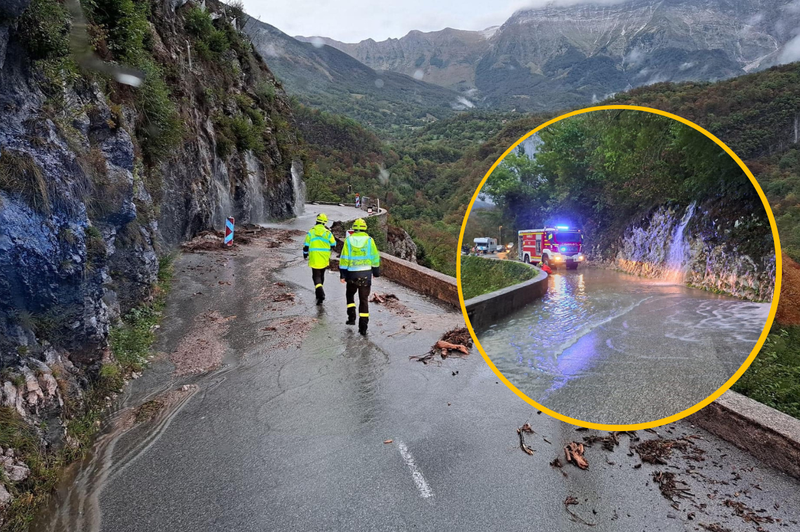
17, 434
774, 376
130, 342
480, 276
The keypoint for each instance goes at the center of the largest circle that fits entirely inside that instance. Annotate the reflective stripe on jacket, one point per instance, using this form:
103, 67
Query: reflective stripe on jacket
319, 242
359, 254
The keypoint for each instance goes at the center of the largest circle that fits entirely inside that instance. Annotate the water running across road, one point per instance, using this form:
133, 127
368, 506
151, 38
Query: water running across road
608, 347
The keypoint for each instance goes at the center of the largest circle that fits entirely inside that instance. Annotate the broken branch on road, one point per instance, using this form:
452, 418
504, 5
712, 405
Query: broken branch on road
671, 488
609, 442
288, 296
573, 452
526, 428
451, 343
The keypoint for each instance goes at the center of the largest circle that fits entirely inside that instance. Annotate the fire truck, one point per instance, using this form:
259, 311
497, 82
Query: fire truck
554, 246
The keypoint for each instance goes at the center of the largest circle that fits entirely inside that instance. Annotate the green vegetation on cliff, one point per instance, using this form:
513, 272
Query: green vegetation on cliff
601, 170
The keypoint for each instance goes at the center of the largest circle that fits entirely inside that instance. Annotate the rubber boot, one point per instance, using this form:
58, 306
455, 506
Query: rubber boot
320, 295
362, 325
351, 316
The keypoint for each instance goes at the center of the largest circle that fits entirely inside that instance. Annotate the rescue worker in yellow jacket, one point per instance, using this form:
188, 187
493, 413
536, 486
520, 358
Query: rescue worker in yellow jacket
358, 262
317, 249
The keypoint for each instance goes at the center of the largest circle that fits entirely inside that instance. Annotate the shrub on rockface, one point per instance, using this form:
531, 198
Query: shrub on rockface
19, 174
45, 29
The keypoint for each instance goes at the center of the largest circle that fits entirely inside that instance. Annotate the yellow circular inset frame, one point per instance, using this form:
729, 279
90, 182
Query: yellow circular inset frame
742, 368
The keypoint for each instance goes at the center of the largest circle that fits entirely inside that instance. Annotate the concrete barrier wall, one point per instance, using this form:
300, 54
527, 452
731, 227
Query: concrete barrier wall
420, 279
769, 435
489, 308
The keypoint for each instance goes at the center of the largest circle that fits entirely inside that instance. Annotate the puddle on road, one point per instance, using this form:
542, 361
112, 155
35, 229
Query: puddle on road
600, 333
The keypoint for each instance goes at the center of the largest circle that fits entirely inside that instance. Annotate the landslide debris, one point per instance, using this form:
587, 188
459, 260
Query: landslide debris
658, 451
671, 488
214, 240
391, 302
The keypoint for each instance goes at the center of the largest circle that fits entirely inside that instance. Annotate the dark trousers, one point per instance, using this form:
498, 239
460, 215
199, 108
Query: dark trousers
363, 297
318, 275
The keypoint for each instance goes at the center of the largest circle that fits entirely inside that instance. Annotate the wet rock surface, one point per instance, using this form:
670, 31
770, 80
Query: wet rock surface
400, 244
704, 246
81, 236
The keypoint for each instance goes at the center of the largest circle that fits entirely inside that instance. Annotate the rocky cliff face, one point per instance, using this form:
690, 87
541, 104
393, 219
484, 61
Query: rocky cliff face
701, 247
400, 244
98, 178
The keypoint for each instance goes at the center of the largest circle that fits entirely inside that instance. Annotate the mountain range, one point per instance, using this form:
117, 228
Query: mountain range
327, 78
560, 56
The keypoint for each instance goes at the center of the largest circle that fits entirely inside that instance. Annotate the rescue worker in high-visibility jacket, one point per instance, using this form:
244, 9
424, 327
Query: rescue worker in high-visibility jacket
358, 262
317, 249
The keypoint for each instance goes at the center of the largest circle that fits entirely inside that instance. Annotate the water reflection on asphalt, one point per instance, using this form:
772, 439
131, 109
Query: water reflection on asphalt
608, 347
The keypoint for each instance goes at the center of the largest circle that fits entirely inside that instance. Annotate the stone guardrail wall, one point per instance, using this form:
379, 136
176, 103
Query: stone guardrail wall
420, 279
771, 436
486, 309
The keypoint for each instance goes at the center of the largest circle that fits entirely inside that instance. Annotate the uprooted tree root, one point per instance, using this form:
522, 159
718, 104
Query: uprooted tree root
455, 342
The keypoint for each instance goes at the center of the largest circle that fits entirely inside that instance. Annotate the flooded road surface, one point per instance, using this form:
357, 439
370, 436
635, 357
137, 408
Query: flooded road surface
608, 347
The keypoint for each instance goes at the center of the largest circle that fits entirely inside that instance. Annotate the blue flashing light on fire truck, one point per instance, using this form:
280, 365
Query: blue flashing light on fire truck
553, 246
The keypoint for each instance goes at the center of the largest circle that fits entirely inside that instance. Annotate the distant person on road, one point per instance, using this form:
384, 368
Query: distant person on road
317, 249
358, 262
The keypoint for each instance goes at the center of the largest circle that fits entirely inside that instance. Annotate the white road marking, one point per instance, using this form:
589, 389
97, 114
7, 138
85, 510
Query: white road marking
425, 491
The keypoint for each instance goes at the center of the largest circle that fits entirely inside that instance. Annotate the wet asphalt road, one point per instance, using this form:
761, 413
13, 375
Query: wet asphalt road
283, 437
608, 347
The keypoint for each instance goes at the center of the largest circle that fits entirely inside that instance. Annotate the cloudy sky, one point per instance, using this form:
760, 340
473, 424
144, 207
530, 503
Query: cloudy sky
354, 20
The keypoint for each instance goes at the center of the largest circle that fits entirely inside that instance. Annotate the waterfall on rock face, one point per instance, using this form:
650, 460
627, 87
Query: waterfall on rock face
223, 202
299, 188
258, 206
678, 249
